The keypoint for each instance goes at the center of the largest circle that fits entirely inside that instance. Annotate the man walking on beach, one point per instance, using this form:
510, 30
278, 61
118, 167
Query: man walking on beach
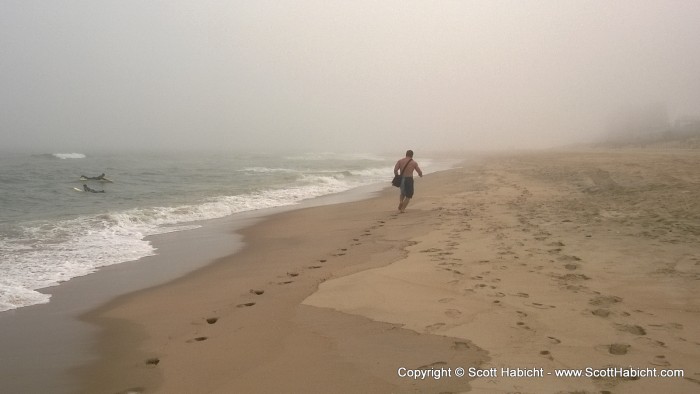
407, 166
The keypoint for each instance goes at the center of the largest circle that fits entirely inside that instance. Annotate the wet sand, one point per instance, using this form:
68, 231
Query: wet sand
546, 261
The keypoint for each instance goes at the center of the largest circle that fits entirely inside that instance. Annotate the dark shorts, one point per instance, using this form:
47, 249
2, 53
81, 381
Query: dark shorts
407, 187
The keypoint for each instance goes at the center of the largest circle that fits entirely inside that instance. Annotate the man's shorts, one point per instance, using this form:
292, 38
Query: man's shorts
407, 187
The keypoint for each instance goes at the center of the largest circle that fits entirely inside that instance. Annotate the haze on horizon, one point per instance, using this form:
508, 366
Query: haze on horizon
335, 75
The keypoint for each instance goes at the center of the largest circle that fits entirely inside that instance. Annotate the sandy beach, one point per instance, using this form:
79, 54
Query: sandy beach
524, 263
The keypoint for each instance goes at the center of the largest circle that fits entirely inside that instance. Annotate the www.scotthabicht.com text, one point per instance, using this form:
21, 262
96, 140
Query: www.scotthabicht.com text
608, 372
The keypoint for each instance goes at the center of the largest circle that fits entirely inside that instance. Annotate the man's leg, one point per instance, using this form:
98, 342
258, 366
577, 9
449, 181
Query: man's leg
402, 199
407, 193
404, 204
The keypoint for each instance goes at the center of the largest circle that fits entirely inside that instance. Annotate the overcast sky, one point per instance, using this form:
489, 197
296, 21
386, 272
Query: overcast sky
336, 75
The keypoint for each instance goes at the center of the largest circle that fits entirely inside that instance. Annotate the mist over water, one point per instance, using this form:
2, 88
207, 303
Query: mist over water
338, 76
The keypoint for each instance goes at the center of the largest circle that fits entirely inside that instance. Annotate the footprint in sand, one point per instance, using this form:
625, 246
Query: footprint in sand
285, 282
453, 313
322, 261
601, 312
567, 258
198, 339
292, 274
153, 361
315, 267
433, 327
660, 360
650, 342
244, 305
554, 340
618, 349
632, 329
540, 306
460, 346
212, 320
257, 292
571, 278
604, 301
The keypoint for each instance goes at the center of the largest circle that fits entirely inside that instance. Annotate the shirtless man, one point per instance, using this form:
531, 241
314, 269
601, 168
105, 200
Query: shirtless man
406, 178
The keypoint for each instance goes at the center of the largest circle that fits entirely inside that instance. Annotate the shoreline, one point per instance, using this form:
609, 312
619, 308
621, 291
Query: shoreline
53, 331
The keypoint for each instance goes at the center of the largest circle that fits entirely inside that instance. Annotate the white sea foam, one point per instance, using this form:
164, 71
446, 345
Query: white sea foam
267, 170
69, 155
336, 156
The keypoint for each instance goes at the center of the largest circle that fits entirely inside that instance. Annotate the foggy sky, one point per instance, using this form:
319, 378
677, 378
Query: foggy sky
332, 75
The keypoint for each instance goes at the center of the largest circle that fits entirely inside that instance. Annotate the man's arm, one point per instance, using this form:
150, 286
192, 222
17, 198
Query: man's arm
396, 168
418, 170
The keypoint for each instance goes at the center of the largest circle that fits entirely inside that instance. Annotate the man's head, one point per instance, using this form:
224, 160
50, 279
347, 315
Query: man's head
409, 153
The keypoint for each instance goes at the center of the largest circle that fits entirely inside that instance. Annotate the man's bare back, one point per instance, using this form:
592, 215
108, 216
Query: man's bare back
408, 172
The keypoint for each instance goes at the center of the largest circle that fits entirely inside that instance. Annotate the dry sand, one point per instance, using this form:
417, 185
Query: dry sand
562, 260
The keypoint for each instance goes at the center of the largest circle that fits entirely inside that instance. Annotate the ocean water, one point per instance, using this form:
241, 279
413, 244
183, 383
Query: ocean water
50, 233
